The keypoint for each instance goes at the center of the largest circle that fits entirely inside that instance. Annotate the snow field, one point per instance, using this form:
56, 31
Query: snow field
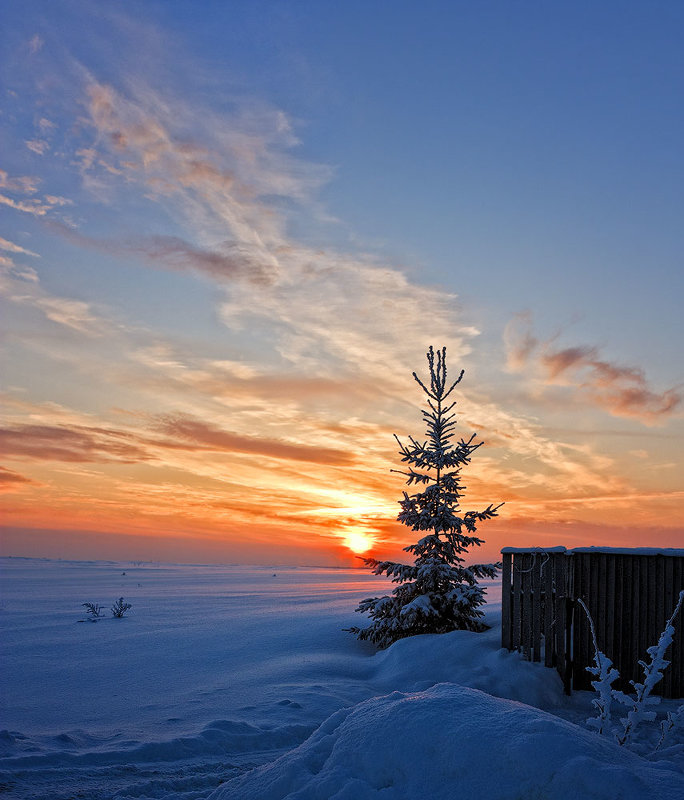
216, 670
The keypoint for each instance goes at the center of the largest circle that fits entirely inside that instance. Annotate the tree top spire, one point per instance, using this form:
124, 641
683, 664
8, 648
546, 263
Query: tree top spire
438, 376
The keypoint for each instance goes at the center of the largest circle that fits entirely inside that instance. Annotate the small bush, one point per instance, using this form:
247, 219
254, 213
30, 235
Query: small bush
93, 610
120, 608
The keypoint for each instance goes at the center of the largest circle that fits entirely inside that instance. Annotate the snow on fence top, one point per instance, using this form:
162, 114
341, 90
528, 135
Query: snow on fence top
626, 551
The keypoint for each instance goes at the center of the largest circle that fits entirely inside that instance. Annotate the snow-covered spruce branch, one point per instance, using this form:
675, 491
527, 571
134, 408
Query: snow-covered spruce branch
653, 673
605, 674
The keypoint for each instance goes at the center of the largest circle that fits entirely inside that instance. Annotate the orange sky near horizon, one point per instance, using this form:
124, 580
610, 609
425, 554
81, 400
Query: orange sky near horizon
179, 488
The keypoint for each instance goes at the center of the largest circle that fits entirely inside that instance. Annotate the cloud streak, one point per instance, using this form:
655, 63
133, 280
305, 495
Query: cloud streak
76, 444
621, 390
226, 263
210, 437
322, 309
27, 185
73, 314
11, 247
10, 481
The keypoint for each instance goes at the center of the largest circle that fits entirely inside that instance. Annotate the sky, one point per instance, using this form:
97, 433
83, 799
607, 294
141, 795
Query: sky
229, 233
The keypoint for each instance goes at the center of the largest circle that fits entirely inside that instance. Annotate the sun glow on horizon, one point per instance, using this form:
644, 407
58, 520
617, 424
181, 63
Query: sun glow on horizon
358, 542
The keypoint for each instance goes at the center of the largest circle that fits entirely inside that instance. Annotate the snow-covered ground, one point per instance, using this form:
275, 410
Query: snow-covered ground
218, 670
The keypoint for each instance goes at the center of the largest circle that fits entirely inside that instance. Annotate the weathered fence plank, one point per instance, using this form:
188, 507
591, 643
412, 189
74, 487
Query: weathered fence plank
609, 626
526, 604
535, 576
562, 639
517, 586
677, 666
669, 608
630, 595
549, 598
506, 604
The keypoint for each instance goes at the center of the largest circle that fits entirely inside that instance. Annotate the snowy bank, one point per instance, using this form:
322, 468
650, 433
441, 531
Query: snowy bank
448, 742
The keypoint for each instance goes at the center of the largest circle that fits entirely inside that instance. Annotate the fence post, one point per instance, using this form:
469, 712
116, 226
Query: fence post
517, 637
549, 609
506, 605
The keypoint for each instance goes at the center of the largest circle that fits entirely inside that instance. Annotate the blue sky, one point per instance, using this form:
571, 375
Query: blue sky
292, 200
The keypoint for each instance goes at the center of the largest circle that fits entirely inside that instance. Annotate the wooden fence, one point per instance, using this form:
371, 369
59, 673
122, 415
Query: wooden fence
630, 595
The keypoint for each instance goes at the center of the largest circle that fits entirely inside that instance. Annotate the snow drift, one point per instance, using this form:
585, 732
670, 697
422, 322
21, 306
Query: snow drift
449, 741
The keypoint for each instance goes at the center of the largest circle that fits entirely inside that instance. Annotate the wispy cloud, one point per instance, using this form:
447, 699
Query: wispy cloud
11, 247
34, 207
323, 309
221, 179
11, 481
26, 184
35, 44
37, 146
74, 314
226, 262
621, 390
235, 261
211, 437
70, 444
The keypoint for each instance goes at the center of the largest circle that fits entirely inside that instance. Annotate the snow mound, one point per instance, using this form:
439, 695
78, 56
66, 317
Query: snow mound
470, 659
432, 744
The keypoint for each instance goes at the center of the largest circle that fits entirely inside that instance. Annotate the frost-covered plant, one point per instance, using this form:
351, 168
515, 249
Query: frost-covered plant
437, 593
672, 720
605, 674
93, 610
653, 672
120, 608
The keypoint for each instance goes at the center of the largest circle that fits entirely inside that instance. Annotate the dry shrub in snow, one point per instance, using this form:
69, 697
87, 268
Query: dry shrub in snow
120, 608
93, 610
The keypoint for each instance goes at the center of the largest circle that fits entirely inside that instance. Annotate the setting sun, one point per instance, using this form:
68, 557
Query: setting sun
358, 542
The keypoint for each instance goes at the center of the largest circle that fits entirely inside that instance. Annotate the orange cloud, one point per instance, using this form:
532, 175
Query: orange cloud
622, 391
71, 444
10, 481
210, 437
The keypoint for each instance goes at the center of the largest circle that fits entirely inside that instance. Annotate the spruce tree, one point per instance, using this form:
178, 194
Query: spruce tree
438, 593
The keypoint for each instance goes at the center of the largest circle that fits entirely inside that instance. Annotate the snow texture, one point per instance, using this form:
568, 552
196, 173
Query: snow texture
235, 682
